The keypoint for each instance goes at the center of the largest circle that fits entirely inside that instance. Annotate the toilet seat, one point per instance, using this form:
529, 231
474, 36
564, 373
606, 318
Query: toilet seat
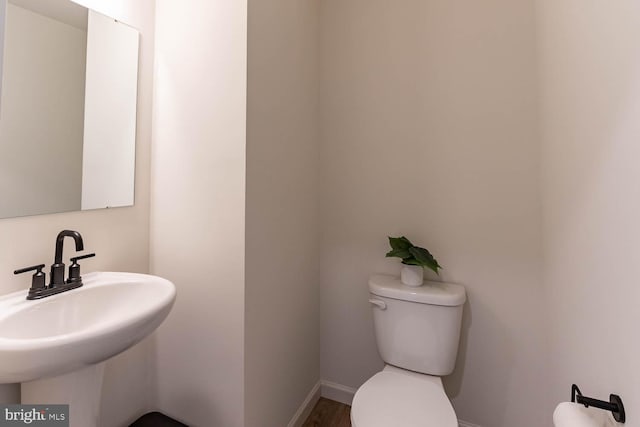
395, 397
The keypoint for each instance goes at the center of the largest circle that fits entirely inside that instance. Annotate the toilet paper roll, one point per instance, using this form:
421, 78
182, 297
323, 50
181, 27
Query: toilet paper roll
568, 414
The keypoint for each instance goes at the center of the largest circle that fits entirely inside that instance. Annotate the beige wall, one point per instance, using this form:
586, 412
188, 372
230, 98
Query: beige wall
42, 114
198, 207
590, 80
281, 290
430, 130
119, 236
3, 22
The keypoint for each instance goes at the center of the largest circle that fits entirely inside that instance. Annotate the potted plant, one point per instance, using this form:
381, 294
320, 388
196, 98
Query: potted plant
414, 260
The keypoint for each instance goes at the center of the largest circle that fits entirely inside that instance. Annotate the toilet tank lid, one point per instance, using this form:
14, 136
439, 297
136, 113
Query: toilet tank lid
435, 293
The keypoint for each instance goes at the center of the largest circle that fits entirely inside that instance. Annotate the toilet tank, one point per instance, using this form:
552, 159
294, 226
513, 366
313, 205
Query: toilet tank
417, 328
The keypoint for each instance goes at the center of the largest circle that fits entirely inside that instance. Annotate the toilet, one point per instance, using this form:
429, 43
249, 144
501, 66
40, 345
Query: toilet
417, 332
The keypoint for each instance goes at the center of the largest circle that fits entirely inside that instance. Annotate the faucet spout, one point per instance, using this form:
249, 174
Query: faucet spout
60, 243
57, 268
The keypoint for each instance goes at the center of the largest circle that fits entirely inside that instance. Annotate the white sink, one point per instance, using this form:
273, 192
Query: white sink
55, 345
81, 327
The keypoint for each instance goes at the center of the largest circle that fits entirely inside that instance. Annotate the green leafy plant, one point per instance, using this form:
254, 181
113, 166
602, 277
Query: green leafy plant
410, 254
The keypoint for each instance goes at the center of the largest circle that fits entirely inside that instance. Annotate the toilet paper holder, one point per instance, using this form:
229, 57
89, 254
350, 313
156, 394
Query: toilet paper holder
614, 405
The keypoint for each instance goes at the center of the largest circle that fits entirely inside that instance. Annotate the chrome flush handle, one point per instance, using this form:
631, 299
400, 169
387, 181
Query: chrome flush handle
378, 303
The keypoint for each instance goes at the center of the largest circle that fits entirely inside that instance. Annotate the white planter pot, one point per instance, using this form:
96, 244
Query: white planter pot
412, 275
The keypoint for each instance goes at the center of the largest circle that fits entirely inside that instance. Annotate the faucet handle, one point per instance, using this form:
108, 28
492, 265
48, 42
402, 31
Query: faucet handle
74, 269
38, 279
75, 259
37, 268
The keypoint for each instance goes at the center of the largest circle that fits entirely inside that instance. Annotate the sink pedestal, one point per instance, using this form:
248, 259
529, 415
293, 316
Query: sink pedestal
81, 390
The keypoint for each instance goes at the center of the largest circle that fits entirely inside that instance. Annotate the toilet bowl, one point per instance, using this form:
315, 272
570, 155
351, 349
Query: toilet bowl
417, 333
395, 397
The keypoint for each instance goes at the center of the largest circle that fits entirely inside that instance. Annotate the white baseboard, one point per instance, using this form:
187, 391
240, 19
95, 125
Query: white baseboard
338, 392
306, 407
466, 424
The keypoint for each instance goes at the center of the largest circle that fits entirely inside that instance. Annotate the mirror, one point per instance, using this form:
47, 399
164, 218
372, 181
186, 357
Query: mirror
67, 109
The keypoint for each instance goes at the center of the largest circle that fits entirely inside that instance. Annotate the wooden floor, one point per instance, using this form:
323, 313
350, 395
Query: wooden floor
328, 413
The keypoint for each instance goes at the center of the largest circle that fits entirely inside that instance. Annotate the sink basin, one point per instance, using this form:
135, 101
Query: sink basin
79, 328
